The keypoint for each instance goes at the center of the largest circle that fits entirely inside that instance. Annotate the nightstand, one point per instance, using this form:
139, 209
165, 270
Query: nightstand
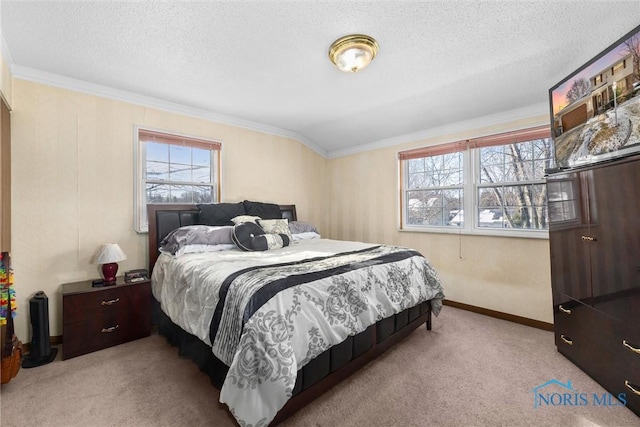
101, 317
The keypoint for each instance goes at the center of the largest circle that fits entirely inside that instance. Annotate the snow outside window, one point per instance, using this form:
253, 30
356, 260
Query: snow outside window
498, 180
174, 169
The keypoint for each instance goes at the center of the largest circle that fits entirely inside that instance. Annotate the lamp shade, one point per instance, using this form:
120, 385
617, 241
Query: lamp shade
109, 253
109, 256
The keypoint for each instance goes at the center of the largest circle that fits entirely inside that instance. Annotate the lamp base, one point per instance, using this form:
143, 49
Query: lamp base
109, 271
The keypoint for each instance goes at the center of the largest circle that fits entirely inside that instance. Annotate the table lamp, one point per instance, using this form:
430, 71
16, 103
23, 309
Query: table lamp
109, 255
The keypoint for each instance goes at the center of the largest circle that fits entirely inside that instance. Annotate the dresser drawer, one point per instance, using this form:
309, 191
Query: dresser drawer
623, 379
615, 367
573, 317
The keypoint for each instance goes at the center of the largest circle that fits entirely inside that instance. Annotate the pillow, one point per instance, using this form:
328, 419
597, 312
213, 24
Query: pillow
275, 226
199, 249
220, 213
307, 235
297, 227
249, 236
263, 210
244, 218
196, 238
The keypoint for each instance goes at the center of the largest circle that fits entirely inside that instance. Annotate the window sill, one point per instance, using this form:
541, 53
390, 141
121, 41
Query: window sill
520, 234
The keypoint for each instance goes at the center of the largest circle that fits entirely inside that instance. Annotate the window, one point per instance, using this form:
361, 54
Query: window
500, 178
619, 66
435, 188
174, 169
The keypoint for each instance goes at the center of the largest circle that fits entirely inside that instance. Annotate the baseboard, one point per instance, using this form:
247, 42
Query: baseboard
500, 315
57, 340
26, 347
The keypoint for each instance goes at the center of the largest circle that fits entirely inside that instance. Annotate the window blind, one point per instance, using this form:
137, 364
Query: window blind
434, 150
511, 137
185, 141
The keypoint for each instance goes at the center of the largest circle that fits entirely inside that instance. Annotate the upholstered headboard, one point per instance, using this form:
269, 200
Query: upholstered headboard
165, 218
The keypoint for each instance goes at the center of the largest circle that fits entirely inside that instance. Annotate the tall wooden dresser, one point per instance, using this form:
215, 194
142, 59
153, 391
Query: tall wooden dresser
594, 234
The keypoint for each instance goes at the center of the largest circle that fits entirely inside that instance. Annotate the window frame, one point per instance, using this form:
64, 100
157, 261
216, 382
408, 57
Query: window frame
141, 133
471, 182
439, 189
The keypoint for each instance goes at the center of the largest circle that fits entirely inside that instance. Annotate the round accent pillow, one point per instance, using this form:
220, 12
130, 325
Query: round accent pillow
249, 236
244, 233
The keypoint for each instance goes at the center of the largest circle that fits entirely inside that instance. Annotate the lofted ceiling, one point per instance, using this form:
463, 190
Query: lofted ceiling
264, 65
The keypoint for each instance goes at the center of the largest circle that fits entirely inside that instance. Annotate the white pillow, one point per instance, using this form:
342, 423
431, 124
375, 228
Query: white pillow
307, 235
244, 218
192, 249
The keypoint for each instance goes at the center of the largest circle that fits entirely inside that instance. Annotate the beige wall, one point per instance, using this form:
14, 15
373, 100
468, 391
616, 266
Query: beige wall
72, 178
5, 80
511, 275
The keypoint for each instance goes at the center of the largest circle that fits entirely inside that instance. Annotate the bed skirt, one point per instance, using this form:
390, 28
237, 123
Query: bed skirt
319, 374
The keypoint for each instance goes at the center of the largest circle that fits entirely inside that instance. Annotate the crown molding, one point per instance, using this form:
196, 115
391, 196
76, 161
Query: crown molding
50, 79
503, 118
43, 77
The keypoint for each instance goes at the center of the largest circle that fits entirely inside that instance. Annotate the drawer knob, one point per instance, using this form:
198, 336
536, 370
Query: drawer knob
589, 238
566, 340
630, 347
111, 329
111, 301
632, 388
564, 310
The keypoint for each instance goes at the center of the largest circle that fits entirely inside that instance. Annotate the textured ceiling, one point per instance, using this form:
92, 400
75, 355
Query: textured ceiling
265, 63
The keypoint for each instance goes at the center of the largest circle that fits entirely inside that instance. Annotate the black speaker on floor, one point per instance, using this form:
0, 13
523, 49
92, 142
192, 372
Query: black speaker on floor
40, 352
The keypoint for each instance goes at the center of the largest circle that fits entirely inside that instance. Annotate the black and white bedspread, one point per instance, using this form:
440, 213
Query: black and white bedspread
266, 314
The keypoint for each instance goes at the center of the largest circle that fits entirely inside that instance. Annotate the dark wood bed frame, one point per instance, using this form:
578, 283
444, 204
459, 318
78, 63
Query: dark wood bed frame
319, 375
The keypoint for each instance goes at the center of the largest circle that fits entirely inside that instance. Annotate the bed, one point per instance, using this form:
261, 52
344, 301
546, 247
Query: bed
274, 329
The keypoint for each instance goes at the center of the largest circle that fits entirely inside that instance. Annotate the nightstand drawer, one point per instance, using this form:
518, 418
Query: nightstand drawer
79, 307
95, 334
97, 318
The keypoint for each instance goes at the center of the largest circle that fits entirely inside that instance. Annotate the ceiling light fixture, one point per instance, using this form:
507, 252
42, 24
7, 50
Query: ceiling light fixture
353, 53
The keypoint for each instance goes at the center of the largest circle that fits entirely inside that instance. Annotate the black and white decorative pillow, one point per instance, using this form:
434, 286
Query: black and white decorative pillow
273, 241
276, 226
249, 236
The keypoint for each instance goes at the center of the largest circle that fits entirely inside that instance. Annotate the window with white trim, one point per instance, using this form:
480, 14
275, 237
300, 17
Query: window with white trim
172, 168
499, 178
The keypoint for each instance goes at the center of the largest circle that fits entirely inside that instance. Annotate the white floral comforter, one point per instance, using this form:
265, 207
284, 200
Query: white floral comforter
266, 314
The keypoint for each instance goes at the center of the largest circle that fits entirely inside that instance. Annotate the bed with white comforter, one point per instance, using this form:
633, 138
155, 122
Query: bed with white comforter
267, 314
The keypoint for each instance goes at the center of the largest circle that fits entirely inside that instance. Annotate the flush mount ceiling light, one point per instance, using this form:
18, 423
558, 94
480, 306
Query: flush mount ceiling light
354, 52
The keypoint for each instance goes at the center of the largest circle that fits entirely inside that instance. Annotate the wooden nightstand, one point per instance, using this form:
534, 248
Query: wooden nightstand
97, 318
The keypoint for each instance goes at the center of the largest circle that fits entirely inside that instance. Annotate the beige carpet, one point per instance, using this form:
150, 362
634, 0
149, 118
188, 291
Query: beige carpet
470, 370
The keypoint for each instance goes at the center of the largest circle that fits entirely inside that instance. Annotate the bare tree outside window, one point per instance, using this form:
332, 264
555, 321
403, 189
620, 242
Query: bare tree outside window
506, 189
435, 189
512, 192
